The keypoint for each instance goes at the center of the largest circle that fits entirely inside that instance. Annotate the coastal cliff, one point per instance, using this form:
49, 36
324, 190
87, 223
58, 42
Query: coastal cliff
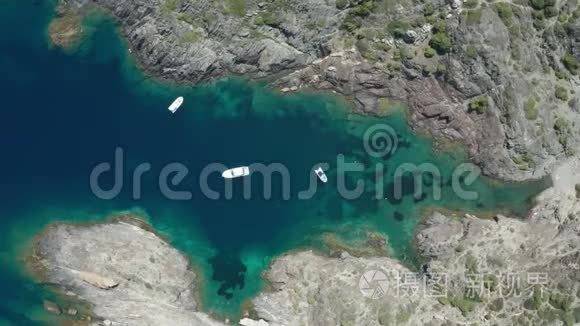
499, 77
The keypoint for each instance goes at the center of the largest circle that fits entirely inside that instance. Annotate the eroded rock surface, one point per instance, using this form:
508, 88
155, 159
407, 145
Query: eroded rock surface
129, 275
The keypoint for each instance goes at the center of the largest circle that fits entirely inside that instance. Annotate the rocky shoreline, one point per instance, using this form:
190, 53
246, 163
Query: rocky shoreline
498, 77
461, 68
130, 276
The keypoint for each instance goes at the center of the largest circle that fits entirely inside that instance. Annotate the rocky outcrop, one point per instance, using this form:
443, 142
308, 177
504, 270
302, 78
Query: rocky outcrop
66, 29
198, 41
499, 271
128, 274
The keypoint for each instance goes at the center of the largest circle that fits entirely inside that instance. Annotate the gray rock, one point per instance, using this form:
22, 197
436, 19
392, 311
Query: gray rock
410, 36
156, 286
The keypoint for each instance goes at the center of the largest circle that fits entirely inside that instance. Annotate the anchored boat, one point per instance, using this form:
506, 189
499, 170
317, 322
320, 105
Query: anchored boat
321, 175
241, 171
176, 104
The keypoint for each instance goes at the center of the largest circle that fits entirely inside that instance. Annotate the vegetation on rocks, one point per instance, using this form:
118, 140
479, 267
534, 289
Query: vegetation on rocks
479, 104
504, 11
561, 93
571, 63
429, 52
531, 109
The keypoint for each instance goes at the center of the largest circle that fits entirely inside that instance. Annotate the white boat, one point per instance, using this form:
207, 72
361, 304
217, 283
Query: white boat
321, 175
176, 104
241, 171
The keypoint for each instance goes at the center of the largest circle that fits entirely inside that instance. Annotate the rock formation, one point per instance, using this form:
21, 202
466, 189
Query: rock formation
501, 271
129, 275
500, 77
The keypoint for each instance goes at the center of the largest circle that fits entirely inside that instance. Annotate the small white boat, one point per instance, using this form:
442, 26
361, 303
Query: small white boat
236, 172
176, 104
321, 175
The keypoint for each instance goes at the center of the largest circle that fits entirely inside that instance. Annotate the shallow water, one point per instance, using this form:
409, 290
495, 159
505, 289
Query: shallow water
65, 113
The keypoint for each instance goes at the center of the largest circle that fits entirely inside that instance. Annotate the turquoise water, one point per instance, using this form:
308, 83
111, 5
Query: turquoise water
64, 113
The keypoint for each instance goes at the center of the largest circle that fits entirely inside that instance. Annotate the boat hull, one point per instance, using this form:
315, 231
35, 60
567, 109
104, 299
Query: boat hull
175, 105
236, 172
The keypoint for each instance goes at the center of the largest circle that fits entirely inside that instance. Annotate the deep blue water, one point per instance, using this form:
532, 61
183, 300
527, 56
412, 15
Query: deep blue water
64, 113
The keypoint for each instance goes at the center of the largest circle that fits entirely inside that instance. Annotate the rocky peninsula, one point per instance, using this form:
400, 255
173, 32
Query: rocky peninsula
128, 274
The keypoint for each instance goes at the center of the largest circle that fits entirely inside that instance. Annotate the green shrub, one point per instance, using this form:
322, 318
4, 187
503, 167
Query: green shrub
496, 305
537, 4
351, 23
577, 188
429, 52
538, 14
465, 305
561, 301
471, 264
341, 4
441, 69
561, 93
441, 43
490, 282
504, 11
428, 9
530, 109
479, 104
397, 27
562, 18
561, 125
470, 4
191, 37
571, 63
473, 17
440, 27
397, 55
237, 7
471, 51
363, 47
268, 18
551, 11
362, 10
353, 20
428, 70
561, 74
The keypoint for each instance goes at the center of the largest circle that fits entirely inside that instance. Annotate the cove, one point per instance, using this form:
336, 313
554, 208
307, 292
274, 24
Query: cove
65, 113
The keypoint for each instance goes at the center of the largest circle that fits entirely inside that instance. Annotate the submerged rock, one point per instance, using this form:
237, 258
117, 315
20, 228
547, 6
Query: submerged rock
51, 307
65, 30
